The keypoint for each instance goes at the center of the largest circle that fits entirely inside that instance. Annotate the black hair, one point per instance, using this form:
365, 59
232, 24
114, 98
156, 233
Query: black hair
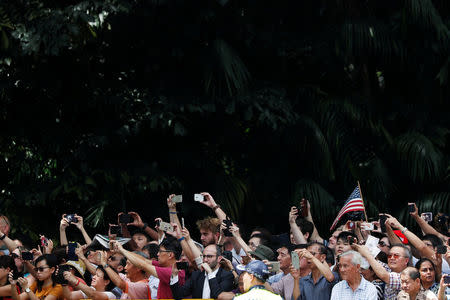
424, 259
111, 284
52, 262
300, 246
172, 244
7, 261
344, 236
263, 239
378, 235
61, 253
322, 248
412, 272
264, 231
382, 257
305, 226
152, 250
433, 239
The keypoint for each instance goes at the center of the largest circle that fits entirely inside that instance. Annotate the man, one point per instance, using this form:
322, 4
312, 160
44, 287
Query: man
209, 230
253, 279
134, 284
168, 254
319, 283
411, 288
398, 258
353, 285
205, 284
301, 229
283, 283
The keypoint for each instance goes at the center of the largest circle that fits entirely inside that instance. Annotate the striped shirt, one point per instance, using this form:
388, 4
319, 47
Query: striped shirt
365, 291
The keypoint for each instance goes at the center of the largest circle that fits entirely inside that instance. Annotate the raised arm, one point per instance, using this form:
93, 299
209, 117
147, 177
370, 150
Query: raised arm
173, 216
137, 260
62, 230
115, 278
77, 284
8, 242
315, 234
209, 201
296, 232
137, 221
426, 228
324, 269
376, 266
79, 251
79, 225
237, 236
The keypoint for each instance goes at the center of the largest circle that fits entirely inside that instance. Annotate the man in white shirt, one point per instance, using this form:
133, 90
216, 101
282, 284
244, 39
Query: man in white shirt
353, 285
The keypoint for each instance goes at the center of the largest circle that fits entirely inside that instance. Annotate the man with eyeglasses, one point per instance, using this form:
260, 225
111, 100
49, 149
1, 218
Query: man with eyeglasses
206, 283
411, 287
319, 283
398, 259
353, 285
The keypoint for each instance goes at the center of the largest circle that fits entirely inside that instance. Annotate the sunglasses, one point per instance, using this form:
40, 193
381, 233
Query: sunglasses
41, 269
112, 258
383, 244
395, 256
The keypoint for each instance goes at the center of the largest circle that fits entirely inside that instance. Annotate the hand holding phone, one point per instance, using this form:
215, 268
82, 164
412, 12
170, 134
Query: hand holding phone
295, 260
199, 197
383, 219
411, 208
125, 219
177, 199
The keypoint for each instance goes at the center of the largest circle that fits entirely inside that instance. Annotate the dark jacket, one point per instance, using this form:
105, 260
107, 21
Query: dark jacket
223, 282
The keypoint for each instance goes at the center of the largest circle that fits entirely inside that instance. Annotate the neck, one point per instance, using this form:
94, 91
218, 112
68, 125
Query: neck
3, 281
47, 282
316, 273
137, 276
413, 294
354, 282
285, 271
427, 285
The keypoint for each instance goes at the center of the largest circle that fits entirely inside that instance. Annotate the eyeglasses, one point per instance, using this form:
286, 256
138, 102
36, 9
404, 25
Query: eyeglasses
383, 244
209, 255
88, 252
112, 258
165, 251
395, 256
41, 269
13, 255
314, 253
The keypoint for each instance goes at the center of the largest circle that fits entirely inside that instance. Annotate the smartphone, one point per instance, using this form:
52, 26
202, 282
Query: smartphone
228, 255
228, 223
182, 265
441, 249
427, 216
303, 208
447, 279
125, 218
71, 251
164, 226
177, 199
383, 219
275, 266
16, 275
411, 208
351, 240
26, 255
199, 197
71, 218
367, 226
295, 260
44, 241
182, 222
115, 229
351, 225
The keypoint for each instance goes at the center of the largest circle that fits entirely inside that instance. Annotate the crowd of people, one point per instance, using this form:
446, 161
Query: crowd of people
359, 260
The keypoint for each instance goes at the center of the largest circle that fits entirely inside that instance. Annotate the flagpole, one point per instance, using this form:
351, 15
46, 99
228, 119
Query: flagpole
362, 199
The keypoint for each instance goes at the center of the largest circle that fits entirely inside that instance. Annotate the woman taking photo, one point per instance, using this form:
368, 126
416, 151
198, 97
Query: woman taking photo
44, 288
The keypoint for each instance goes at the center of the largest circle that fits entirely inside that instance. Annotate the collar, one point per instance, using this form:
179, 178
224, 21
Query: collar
361, 286
213, 273
257, 287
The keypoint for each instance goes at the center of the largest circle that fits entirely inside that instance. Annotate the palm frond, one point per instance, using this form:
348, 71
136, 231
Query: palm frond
95, 214
231, 192
224, 65
435, 202
422, 161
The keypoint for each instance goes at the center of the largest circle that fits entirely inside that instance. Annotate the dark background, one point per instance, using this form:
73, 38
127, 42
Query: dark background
112, 105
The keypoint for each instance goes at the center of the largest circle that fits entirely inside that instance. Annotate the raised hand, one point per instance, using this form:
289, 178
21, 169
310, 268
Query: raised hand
170, 203
137, 221
209, 200
293, 214
64, 223
78, 224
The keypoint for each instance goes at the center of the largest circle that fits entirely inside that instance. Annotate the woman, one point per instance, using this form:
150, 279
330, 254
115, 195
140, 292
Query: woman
44, 287
7, 265
99, 290
428, 275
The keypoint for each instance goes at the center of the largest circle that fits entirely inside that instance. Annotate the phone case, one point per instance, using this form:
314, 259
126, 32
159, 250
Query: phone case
199, 197
295, 260
177, 199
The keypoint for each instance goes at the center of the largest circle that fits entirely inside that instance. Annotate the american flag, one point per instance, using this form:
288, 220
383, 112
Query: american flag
353, 203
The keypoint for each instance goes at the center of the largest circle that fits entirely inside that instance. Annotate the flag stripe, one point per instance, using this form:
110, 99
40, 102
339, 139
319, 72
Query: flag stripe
353, 203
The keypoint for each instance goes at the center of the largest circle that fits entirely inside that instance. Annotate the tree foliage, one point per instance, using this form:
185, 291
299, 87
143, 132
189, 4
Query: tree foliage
111, 105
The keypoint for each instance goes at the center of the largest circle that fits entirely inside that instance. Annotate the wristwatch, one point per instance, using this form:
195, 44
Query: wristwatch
105, 266
27, 290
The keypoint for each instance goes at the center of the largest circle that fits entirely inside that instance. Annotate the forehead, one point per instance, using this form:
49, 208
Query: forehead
426, 264
211, 249
345, 259
314, 248
205, 231
397, 250
405, 277
283, 250
41, 263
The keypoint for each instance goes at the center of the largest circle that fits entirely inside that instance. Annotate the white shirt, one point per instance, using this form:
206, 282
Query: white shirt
109, 294
206, 290
365, 291
153, 283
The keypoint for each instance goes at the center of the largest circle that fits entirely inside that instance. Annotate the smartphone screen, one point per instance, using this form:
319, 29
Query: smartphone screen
447, 279
71, 251
411, 208
295, 260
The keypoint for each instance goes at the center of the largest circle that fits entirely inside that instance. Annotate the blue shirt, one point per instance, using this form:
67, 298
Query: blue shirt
275, 278
365, 291
321, 290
